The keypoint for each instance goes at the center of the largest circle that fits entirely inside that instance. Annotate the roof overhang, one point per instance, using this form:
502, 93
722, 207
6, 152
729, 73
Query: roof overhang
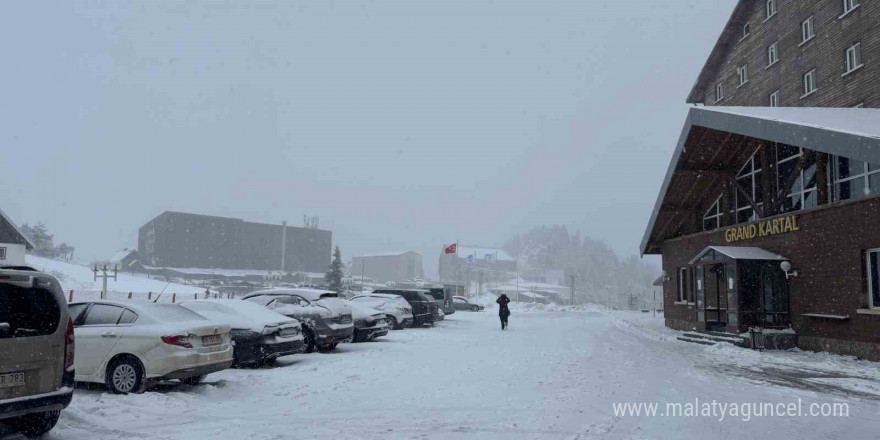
847, 132
27, 241
730, 35
740, 253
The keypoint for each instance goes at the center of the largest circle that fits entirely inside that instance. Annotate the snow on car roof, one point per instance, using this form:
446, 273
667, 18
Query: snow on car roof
237, 313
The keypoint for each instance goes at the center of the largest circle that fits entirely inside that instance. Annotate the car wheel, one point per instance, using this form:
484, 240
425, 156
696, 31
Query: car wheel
125, 375
475, 308
309, 339
392, 322
36, 424
195, 380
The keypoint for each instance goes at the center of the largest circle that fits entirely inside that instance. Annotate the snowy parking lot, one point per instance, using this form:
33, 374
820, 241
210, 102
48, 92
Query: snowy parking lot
553, 374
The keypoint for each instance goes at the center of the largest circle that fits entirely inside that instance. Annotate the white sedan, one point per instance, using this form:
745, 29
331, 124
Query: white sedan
125, 344
396, 309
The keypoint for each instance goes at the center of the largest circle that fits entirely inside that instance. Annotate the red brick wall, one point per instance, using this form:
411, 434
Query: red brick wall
825, 52
828, 253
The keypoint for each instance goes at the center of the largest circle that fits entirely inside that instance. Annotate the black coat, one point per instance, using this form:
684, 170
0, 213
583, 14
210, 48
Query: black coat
503, 310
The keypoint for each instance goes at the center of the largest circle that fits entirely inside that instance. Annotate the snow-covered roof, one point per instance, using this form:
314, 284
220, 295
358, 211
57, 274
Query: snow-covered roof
848, 132
218, 272
383, 254
481, 252
28, 244
740, 253
119, 255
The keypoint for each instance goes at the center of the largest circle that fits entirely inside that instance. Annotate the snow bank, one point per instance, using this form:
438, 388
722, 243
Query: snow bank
81, 280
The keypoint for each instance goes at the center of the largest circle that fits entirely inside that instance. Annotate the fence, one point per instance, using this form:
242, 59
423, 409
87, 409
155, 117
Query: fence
165, 297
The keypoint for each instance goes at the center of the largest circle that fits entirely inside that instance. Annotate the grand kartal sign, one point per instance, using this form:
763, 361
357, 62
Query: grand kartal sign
763, 228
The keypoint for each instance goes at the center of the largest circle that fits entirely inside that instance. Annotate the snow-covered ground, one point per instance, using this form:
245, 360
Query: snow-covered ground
81, 280
552, 375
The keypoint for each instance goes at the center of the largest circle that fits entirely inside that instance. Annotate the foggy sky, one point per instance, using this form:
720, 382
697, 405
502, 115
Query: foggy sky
402, 124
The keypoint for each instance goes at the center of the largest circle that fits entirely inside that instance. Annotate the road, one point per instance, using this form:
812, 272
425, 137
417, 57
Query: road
552, 375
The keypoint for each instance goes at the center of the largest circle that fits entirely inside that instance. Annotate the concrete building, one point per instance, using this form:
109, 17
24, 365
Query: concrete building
13, 244
389, 266
476, 264
180, 240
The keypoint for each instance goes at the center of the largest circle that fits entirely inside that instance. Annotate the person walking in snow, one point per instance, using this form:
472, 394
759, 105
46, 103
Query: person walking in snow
503, 310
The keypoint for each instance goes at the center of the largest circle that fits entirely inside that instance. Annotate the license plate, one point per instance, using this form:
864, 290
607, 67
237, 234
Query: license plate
212, 340
12, 379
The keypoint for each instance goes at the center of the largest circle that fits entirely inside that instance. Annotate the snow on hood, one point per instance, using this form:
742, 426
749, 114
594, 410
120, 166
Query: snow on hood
360, 311
239, 314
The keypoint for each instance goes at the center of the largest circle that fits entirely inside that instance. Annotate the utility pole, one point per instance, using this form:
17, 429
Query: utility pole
105, 273
572, 290
363, 270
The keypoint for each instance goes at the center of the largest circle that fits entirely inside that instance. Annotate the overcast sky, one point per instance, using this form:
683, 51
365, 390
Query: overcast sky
402, 124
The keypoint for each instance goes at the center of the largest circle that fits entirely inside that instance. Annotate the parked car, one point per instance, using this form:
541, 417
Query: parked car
343, 329
439, 296
369, 323
323, 329
398, 312
36, 351
259, 335
461, 303
128, 345
424, 309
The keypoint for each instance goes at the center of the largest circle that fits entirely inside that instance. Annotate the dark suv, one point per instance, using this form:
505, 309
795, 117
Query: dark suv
424, 309
444, 302
36, 351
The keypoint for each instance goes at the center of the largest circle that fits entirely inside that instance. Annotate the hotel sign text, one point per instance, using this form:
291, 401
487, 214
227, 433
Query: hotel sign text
762, 228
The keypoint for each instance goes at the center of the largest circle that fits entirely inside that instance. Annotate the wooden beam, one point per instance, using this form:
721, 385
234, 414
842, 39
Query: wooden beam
785, 188
748, 197
822, 179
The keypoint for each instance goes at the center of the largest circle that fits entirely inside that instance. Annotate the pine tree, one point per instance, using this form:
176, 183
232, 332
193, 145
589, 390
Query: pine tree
41, 238
333, 277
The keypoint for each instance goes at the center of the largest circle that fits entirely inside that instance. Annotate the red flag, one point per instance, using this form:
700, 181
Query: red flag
452, 248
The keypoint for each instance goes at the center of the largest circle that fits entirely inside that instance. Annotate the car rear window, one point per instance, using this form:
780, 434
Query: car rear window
172, 313
27, 312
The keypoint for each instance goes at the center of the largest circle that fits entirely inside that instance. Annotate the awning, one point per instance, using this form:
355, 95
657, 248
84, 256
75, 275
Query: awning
740, 253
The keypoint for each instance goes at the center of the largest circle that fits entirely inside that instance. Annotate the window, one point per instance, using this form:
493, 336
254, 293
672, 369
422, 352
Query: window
771, 8
803, 194
128, 317
853, 57
76, 311
774, 99
719, 92
749, 179
807, 31
2, 253
873, 266
27, 312
854, 178
772, 54
810, 82
712, 217
849, 5
743, 72
683, 286
103, 314
746, 30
